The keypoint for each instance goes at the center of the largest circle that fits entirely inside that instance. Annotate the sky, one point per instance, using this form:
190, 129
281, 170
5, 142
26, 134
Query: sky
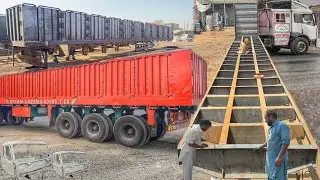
176, 11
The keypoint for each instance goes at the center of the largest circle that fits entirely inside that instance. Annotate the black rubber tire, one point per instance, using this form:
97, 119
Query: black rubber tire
144, 120
273, 49
110, 126
97, 120
134, 123
161, 131
303, 42
79, 133
291, 44
14, 121
72, 122
2, 120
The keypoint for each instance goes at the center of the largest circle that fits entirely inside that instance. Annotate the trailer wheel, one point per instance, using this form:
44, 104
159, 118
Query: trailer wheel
143, 118
110, 126
14, 121
130, 131
301, 45
95, 127
67, 125
273, 49
292, 47
79, 133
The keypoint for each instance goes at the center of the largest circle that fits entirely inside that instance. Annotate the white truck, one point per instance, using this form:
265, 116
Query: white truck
288, 24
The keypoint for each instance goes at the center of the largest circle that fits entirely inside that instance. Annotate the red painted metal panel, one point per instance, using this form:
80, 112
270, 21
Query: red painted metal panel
174, 78
21, 111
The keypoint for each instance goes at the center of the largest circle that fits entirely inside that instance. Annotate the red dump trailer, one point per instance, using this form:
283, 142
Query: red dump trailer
76, 98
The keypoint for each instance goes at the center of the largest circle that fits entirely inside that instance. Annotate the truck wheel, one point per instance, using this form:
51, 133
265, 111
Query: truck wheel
67, 125
130, 131
110, 126
14, 121
143, 118
161, 131
273, 49
78, 116
95, 127
301, 45
292, 47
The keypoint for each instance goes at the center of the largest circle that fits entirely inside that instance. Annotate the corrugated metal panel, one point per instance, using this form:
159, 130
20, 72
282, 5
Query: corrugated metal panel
161, 32
97, 27
170, 33
22, 23
77, 25
126, 29
148, 31
164, 78
113, 28
199, 77
166, 33
246, 19
50, 23
138, 30
3, 28
155, 32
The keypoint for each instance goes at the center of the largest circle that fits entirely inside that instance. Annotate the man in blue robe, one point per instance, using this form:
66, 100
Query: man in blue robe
277, 147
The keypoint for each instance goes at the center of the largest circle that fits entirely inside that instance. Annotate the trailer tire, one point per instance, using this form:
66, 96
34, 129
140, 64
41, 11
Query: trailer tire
95, 128
14, 121
110, 126
273, 49
144, 120
301, 45
78, 116
292, 47
67, 125
130, 131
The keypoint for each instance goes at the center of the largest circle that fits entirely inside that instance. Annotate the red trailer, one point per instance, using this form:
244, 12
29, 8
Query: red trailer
76, 98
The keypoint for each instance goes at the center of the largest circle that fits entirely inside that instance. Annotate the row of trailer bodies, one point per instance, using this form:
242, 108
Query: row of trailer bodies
28, 24
157, 84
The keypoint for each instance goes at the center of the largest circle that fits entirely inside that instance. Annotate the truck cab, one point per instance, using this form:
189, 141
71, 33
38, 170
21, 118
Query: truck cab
290, 25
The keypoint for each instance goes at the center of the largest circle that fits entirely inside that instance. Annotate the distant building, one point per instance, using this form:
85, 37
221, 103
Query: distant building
173, 25
158, 22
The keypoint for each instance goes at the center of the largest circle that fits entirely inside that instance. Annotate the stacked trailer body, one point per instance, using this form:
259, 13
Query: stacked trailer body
4, 41
148, 31
235, 103
34, 29
156, 84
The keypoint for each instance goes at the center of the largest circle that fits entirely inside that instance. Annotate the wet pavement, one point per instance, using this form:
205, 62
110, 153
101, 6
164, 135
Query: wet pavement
301, 75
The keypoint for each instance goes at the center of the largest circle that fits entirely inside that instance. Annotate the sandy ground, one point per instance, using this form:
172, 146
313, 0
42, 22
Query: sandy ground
213, 46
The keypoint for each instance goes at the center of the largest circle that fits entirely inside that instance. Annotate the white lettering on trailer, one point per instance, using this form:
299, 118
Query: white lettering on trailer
38, 101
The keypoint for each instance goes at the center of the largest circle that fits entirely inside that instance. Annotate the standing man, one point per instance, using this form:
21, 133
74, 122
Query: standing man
277, 147
191, 142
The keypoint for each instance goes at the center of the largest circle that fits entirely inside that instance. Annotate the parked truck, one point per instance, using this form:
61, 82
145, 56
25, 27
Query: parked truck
288, 24
134, 99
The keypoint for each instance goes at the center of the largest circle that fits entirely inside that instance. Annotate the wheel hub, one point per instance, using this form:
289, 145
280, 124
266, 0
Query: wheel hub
301, 46
93, 127
66, 124
129, 131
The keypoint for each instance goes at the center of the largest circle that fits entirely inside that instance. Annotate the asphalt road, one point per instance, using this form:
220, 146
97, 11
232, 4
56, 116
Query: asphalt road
301, 75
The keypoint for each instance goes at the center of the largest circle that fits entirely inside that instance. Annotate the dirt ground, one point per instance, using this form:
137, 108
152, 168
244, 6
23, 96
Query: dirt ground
213, 46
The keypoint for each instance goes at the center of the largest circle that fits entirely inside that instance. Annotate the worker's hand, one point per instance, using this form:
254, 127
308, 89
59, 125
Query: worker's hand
204, 145
278, 162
